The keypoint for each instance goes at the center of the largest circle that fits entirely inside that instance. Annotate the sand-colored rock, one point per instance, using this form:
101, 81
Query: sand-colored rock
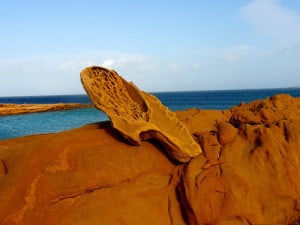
86, 176
136, 114
248, 173
3, 169
15, 109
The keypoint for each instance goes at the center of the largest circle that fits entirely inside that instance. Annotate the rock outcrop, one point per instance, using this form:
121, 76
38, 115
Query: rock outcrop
86, 176
248, 173
250, 167
15, 109
136, 114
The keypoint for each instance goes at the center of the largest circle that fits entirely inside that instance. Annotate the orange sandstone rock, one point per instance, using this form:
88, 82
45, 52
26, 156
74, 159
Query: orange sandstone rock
86, 176
250, 167
248, 173
14, 109
136, 114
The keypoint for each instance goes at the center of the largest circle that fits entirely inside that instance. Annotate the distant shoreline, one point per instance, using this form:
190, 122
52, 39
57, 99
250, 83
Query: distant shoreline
7, 109
86, 98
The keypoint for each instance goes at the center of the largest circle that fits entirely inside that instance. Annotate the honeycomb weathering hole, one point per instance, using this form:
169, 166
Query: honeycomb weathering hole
135, 95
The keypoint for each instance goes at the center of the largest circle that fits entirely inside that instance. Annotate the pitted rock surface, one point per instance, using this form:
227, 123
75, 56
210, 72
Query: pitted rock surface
138, 115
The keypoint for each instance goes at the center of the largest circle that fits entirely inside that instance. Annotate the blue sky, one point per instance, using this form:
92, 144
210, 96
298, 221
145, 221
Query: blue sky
159, 45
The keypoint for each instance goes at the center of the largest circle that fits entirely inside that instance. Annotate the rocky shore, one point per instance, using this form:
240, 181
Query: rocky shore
244, 171
14, 109
248, 172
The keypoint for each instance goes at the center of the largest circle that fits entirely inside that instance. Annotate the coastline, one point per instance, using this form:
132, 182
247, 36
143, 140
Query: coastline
7, 109
250, 155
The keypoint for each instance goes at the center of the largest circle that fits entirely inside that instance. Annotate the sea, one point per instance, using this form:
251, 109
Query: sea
48, 122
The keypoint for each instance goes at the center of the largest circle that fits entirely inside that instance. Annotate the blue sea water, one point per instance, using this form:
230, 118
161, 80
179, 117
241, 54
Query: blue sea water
26, 124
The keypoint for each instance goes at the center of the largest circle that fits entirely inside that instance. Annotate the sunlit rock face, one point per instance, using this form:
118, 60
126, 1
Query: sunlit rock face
136, 114
249, 170
89, 176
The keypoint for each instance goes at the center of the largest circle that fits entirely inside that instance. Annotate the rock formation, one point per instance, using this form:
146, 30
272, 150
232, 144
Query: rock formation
89, 176
15, 109
248, 173
250, 167
136, 114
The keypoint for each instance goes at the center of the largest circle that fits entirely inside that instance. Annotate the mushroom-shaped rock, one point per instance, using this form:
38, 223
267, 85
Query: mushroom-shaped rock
138, 115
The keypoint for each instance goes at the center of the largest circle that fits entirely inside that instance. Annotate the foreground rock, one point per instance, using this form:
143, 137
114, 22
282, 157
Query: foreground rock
14, 109
86, 176
249, 173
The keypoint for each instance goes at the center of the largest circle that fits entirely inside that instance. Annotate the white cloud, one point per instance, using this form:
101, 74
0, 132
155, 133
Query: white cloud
59, 74
231, 57
272, 18
108, 63
199, 66
236, 53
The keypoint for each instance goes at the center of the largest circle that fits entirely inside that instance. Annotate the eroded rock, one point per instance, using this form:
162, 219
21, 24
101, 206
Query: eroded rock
87, 176
249, 171
136, 114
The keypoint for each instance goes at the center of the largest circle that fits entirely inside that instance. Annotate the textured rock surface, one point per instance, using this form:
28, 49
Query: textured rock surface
249, 173
86, 176
250, 167
136, 114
